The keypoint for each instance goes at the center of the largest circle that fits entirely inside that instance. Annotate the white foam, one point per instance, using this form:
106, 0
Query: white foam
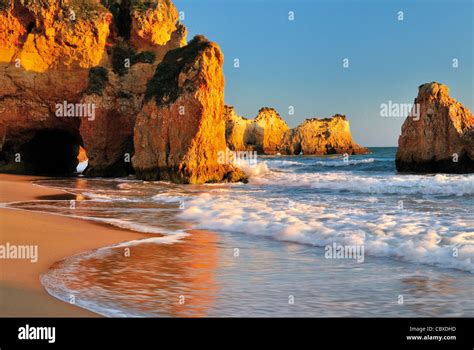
109, 197
252, 170
282, 163
134, 226
440, 184
339, 163
171, 238
169, 198
406, 235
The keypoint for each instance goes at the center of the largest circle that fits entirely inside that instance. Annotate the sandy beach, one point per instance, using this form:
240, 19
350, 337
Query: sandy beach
21, 293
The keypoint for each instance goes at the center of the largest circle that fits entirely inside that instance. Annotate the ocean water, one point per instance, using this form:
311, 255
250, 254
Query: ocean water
260, 249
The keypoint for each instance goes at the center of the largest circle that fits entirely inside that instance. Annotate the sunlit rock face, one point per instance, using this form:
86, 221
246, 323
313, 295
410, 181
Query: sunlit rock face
262, 134
90, 52
46, 35
235, 130
320, 137
156, 27
180, 131
440, 138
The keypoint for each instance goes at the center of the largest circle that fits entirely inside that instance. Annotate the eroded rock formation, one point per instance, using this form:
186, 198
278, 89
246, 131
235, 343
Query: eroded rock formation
262, 134
440, 138
180, 131
158, 30
321, 136
77, 53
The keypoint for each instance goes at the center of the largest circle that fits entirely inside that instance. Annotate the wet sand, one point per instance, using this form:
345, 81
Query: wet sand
21, 293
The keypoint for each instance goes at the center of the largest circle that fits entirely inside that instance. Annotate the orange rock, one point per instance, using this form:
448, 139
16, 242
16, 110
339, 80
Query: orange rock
157, 28
321, 136
109, 136
262, 134
180, 131
46, 37
236, 130
440, 138
46, 56
82, 155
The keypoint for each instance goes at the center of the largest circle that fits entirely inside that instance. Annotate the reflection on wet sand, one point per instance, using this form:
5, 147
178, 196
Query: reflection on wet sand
155, 279
425, 285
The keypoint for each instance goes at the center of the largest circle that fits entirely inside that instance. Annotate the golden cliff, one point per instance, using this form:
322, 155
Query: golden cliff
180, 131
438, 139
88, 56
268, 133
321, 136
262, 134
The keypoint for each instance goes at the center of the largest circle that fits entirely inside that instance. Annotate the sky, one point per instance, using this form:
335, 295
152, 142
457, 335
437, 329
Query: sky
300, 62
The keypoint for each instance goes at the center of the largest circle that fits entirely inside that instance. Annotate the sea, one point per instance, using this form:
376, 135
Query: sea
307, 236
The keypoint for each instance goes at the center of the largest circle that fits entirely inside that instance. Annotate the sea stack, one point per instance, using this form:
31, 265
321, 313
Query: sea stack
180, 131
438, 139
262, 134
321, 136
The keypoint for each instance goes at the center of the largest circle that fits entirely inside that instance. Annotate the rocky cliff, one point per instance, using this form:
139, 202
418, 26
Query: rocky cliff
262, 134
235, 130
180, 131
440, 138
321, 136
88, 56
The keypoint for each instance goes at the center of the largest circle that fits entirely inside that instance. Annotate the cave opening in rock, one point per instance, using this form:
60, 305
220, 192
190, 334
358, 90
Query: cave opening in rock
298, 149
30, 27
52, 152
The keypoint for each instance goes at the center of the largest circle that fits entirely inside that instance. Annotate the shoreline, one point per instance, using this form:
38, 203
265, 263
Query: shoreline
57, 237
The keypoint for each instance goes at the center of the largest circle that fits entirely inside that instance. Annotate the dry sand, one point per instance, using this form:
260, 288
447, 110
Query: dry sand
21, 293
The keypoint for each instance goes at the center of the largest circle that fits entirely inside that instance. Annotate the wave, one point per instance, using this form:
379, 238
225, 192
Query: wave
282, 163
445, 185
406, 235
252, 170
134, 226
349, 162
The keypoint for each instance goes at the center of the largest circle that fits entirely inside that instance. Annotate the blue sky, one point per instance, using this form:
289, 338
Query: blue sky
300, 63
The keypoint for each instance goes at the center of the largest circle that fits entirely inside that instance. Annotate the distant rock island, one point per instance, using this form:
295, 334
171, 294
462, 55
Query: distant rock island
320, 137
268, 133
441, 138
262, 134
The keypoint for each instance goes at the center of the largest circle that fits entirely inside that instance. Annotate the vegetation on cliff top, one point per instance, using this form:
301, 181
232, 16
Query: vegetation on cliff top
123, 10
85, 9
335, 116
164, 85
124, 56
4, 5
98, 78
142, 6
